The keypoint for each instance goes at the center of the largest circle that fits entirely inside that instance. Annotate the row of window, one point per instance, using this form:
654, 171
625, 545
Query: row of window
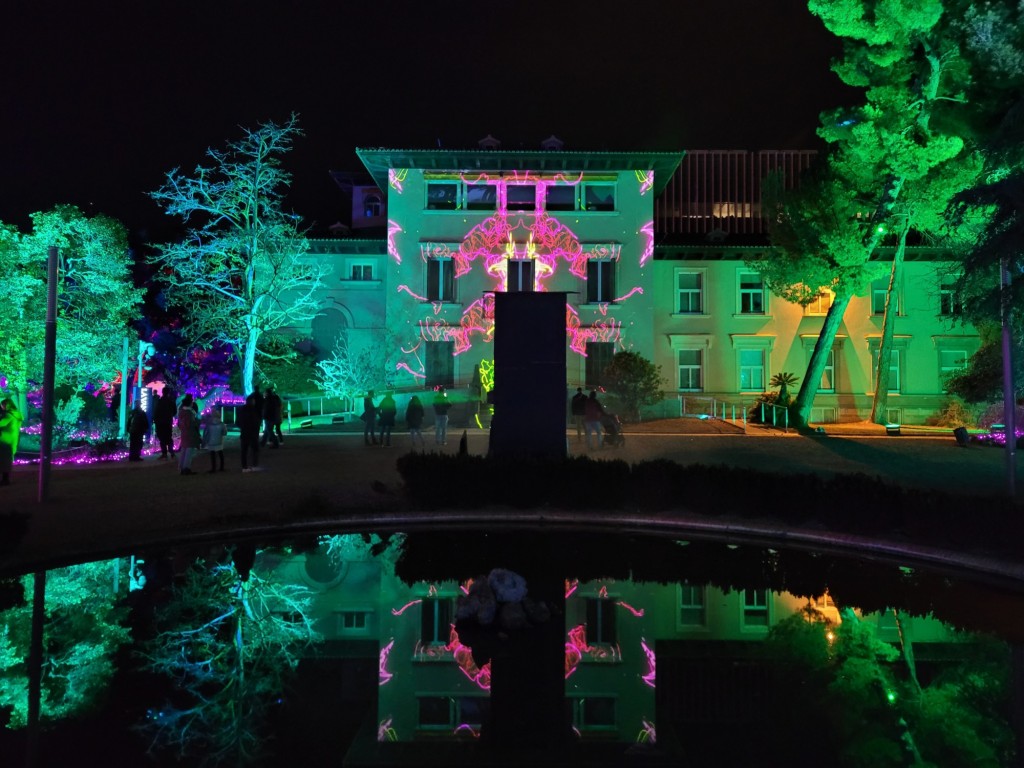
520, 277
483, 196
751, 295
752, 370
751, 367
447, 713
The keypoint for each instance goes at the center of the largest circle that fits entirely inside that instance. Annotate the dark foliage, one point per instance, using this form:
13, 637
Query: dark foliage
850, 504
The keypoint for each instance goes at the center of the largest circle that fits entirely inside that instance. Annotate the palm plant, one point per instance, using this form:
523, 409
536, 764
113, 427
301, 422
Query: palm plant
783, 381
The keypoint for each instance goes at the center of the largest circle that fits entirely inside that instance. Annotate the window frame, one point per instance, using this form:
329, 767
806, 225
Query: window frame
440, 288
604, 292
569, 207
755, 616
434, 352
742, 292
520, 264
741, 367
522, 206
438, 605
949, 307
699, 369
598, 206
700, 292
486, 205
592, 367
815, 309
879, 288
683, 590
456, 200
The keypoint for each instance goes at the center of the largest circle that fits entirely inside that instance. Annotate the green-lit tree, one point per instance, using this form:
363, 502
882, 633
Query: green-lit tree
634, 380
83, 629
22, 292
97, 299
230, 641
243, 269
897, 159
355, 367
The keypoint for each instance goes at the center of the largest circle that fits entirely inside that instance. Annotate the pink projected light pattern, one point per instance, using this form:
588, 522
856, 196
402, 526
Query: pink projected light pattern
519, 236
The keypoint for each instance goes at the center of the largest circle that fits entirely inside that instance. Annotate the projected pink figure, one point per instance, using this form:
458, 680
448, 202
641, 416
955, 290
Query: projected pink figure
649, 677
463, 656
384, 675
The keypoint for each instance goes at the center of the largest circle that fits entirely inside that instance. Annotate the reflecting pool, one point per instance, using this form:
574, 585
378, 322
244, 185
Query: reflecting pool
513, 647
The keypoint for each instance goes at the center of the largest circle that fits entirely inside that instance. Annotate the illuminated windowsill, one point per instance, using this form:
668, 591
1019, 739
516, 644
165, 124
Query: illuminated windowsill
598, 305
362, 284
691, 315
753, 316
444, 304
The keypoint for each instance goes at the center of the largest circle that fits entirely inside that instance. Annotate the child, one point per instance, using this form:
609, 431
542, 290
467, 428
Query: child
214, 432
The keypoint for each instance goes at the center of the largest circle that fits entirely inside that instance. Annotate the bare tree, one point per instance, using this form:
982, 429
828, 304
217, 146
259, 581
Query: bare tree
243, 268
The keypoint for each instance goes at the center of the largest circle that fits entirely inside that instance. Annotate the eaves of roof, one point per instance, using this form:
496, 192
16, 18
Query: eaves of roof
379, 161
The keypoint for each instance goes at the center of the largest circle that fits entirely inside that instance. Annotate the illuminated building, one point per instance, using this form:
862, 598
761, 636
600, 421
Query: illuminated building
651, 249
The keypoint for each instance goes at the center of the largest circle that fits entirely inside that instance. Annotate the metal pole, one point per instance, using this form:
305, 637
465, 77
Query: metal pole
122, 414
1009, 398
49, 370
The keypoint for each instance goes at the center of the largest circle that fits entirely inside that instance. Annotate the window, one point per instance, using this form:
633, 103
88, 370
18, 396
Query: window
599, 197
521, 197
948, 304
593, 712
373, 206
601, 621
751, 293
436, 620
895, 382
690, 287
361, 271
442, 195
879, 289
481, 197
599, 355
600, 280
828, 376
821, 303
755, 607
691, 606
560, 197
691, 373
752, 370
440, 364
520, 275
353, 621
440, 280
448, 712
950, 361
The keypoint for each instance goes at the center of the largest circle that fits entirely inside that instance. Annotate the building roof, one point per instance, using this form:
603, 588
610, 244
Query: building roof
379, 161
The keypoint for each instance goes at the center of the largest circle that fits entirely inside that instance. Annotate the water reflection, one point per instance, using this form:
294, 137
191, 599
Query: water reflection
562, 647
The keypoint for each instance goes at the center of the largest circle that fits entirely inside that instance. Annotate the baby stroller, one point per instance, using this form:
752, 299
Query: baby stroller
612, 430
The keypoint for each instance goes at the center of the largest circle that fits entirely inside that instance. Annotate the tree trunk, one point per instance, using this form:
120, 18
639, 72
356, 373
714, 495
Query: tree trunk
800, 408
249, 360
881, 402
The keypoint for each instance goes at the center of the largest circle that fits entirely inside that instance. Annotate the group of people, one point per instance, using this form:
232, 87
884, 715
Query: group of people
385, 413
588, 416
262, 413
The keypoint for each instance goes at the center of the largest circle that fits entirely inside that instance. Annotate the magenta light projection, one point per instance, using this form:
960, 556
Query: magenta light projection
505, 236
384, 730
393, 229
463, 656
647, 733
647, 230
649, 677
396, 178
638, 612
384, 675
404, 608
467, 729
646, 179
579, 335
576, 647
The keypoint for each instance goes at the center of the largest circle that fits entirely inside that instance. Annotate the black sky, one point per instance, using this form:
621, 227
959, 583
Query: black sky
99, 100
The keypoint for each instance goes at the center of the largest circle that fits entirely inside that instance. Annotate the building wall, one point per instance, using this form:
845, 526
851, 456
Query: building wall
722, 329
612, 667
467, 240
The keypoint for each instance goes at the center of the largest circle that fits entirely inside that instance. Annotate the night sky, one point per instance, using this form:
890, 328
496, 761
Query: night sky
100, 99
